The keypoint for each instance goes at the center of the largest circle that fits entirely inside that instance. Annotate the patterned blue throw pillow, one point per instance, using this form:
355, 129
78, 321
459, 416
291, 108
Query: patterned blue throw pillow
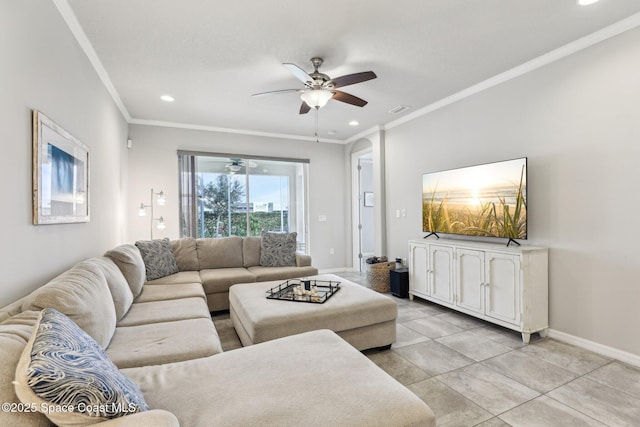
278, 249
159, 259
65, 373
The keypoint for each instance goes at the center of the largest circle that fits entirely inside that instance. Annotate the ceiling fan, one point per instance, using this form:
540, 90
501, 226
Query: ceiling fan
237, 164
319, 88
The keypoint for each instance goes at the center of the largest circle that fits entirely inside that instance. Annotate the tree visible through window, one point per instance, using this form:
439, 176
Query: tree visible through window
220, 199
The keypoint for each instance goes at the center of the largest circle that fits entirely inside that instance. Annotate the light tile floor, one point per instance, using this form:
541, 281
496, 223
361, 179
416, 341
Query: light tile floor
473, 373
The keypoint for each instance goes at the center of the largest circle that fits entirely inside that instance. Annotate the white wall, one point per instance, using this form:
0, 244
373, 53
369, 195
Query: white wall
153, 163
43, 67
578, 122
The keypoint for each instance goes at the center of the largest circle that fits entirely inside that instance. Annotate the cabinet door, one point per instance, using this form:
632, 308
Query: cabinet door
418, 268
441, 272
470, 280
502, 290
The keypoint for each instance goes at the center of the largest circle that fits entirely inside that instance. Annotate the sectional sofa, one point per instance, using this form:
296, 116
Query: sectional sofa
157, 344
219, 263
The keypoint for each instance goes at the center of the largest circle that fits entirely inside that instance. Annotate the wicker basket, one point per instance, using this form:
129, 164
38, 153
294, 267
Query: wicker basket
378, 275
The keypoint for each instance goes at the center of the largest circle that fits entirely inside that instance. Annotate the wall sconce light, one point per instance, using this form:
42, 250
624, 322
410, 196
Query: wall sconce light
160, 201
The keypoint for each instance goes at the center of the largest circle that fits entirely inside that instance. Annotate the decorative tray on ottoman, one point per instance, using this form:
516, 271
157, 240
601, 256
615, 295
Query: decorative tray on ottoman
304, 290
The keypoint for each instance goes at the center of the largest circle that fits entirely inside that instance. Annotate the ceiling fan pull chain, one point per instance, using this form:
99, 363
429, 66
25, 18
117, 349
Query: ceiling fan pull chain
317, 139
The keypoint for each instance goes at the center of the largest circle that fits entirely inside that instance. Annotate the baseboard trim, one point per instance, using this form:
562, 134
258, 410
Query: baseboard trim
333, 270
604, 350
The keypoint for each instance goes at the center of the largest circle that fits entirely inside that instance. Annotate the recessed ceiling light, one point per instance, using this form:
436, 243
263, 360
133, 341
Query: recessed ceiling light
586, 2
353, 123
332, 132
167, 98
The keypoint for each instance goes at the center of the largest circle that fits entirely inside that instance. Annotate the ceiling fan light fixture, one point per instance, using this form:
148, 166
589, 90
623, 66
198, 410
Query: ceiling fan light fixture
316, 98
235, 168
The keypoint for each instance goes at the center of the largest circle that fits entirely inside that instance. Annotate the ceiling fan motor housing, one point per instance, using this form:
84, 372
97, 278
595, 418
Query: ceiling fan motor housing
319, 87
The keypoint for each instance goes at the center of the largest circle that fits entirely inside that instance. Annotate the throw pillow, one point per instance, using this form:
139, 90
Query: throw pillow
14, 336
64, 373
278, 249
158, 257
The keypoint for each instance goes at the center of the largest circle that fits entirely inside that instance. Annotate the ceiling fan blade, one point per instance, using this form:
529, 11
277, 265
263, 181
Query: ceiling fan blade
348, 98
298, 72
304, 108
276, 92
354, 78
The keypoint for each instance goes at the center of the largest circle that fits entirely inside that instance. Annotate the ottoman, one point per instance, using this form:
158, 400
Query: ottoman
362, 317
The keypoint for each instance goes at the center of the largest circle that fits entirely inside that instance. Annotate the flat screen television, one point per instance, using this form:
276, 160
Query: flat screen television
488, 200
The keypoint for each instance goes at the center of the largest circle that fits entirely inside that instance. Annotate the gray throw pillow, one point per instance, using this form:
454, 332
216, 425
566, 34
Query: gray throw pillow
278, 249
158, 257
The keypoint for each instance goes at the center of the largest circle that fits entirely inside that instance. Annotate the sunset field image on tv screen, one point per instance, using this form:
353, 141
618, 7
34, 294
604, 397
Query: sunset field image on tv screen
486, 200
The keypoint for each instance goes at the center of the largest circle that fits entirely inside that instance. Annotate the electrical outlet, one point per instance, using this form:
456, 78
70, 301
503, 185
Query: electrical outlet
331, 251
404, 261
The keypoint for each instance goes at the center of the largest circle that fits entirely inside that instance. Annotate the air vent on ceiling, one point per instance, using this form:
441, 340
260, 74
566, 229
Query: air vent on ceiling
399, 109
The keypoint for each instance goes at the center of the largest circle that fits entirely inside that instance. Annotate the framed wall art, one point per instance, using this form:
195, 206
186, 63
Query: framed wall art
60, 174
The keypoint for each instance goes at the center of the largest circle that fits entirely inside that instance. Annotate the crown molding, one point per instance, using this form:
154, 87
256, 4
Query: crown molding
230, 130
613, 30
77, 31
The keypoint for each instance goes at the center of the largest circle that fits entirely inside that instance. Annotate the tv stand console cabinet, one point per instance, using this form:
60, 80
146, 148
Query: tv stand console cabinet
508, 286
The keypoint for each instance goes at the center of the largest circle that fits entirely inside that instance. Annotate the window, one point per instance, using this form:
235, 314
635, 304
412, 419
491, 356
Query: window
225, 195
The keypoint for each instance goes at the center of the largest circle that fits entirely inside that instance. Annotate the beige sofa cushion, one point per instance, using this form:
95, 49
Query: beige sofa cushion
145, 313
11, 310
169, 292
177, 278
166, 342
247, 387
118, 286
14, 335
128, 259
303, 260
223, 252
186, 254
220, 279
264, 274
152, 418
83, 295
251, 251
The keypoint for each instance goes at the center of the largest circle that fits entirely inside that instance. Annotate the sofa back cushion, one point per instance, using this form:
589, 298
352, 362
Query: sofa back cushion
14, 335
186, 254
11, 310
128, 259
224, 252
251, 251
83, 295
118, 286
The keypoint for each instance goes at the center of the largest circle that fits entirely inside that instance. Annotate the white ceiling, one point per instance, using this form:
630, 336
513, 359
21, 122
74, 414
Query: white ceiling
212, 55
